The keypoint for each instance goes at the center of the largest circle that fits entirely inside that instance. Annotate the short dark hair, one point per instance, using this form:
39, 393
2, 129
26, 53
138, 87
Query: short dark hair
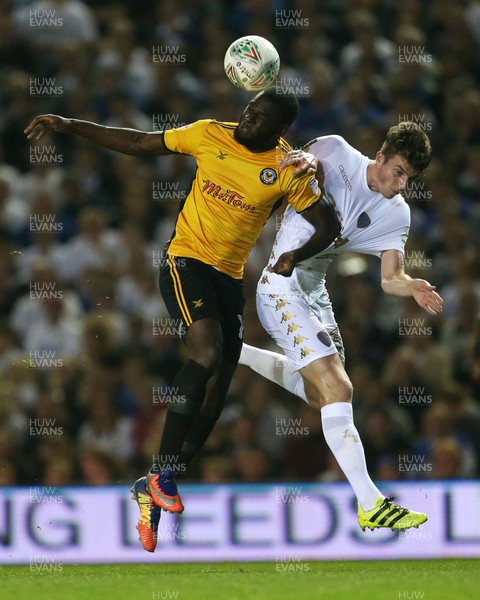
285, 103
410, 141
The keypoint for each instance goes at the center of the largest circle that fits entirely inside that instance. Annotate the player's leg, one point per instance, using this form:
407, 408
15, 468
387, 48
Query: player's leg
230, 305
330, 390
191, 301
314, 352
189, 293
274, 367
209, 413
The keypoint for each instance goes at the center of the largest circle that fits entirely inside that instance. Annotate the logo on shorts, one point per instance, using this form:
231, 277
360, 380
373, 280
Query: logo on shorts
298, 339
264, 280
324, 338
240, 331
281, 304
268, 176
305, 352
198, 303
292, 327
286, 316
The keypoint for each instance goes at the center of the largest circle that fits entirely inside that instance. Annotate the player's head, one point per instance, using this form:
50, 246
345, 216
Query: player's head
404, 155
265, 118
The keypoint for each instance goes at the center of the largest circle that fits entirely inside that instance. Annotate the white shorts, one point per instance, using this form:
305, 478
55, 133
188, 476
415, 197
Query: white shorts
297, 330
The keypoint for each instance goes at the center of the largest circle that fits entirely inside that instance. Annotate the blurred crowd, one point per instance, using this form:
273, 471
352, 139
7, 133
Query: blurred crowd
87, 356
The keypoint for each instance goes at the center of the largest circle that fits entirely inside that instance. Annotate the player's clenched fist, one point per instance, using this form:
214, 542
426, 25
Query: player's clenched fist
43, 123
284, 265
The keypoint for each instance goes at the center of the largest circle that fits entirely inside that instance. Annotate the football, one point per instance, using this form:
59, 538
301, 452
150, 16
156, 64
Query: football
252, 63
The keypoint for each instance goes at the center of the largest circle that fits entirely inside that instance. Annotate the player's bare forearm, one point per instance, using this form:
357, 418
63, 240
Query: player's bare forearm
422, 291
327, 227
397, 283
127, 141
400, 284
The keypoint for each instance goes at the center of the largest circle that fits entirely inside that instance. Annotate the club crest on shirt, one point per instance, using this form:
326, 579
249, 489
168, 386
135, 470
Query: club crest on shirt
324, 338
268, 176
363, 221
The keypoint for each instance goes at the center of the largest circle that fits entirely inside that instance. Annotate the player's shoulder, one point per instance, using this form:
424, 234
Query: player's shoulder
401, 207
207, 123
327, 143
222, 124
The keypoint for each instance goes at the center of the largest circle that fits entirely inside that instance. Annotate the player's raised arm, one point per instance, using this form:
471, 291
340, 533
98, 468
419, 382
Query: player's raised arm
305, 162
127, 141
397, 283
327, 227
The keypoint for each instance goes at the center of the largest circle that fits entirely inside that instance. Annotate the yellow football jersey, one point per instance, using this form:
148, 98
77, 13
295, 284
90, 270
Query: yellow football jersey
232, 195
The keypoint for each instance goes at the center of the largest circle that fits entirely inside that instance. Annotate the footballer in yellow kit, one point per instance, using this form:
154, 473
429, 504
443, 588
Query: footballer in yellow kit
233, 194
237, 186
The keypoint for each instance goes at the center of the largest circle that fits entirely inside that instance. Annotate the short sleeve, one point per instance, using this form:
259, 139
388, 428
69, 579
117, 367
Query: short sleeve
186, 139
303, 192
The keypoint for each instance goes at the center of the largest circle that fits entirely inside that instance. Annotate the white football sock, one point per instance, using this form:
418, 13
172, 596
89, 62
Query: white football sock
345, 443
274, 367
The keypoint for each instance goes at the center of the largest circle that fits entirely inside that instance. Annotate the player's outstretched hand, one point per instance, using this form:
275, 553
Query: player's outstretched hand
284, 265
43, 123
304, 161
426, 296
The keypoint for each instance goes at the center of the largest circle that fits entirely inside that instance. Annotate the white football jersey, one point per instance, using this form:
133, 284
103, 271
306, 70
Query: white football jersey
370, 222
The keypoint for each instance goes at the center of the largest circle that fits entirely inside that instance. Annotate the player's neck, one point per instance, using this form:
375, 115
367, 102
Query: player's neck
372, 176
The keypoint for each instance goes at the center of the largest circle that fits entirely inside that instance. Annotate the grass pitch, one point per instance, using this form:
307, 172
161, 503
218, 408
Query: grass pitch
310, 580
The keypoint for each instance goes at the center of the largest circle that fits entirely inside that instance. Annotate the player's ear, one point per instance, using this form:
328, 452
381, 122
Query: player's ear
380, 157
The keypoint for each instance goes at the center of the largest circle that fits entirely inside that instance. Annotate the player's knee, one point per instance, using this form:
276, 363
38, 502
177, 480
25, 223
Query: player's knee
343, 391
208, 355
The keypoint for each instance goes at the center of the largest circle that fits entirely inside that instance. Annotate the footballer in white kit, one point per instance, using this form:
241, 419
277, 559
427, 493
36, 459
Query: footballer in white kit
297, 311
